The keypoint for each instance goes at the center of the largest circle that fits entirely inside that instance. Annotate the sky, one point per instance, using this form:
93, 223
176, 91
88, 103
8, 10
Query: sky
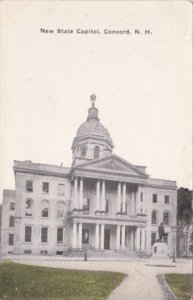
142, 82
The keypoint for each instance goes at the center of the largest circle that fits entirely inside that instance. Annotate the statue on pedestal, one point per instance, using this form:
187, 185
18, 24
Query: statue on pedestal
161, 232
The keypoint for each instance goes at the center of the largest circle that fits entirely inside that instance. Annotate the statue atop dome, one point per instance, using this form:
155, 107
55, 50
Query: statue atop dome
93, 99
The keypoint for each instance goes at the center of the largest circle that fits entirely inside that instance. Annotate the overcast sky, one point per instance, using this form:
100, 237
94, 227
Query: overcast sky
142, 83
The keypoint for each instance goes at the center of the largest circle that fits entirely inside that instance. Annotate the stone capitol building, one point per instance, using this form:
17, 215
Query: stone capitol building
101, 202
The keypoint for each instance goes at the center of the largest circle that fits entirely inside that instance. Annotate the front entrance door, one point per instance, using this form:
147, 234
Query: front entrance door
107, 239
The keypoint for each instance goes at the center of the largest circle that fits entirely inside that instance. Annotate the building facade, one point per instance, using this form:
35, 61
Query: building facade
101, 202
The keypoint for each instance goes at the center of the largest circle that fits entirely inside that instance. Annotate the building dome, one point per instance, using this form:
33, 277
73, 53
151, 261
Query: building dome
92, 139
92, 127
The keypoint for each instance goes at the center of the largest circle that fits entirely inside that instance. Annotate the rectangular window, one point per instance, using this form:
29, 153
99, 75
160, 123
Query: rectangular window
153, 238
43, 252
154, 199
167, 199
59, 252
59, 235
29, 186
44, 234
61, 189
12, 206
11, 239
27, 251
28, 233
45, 187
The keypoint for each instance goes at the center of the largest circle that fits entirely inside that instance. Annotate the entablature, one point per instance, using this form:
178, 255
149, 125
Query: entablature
111, 219
107, 175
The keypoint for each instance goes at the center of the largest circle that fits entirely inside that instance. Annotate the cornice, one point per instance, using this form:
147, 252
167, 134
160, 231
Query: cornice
162, 186
41, 172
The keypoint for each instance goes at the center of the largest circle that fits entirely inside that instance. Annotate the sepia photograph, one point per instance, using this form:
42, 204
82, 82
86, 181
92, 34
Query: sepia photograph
96, 150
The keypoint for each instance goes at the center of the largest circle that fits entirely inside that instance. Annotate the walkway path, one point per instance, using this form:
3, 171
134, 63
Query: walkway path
141, 282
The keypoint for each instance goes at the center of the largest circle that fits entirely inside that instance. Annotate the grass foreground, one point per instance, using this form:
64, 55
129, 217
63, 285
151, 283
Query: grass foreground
19, 282
180, 284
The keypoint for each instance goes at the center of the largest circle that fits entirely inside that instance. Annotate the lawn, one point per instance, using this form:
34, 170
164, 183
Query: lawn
180, 284
19, 282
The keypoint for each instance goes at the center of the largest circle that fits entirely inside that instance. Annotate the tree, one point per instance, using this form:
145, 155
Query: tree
184, 212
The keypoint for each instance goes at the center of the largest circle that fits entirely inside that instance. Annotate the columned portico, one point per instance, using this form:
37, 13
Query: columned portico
77, 201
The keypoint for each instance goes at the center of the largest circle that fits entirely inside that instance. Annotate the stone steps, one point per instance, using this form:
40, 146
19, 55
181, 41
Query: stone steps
106, 253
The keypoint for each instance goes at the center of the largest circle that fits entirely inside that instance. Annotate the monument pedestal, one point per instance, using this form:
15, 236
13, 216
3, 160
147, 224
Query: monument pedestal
160, 250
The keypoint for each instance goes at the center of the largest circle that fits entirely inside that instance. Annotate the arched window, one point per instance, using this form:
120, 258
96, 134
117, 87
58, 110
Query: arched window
96, 152
45, 209
45, 212
154, 217
60, 208
11, 221
29, 205
166, 218
86, 204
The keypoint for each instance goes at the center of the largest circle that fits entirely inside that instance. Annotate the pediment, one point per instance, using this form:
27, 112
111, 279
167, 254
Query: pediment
113, 163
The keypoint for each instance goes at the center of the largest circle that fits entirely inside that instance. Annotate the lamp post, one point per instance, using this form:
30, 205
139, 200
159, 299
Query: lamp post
173, 244
173, 254
85, 252
85, 246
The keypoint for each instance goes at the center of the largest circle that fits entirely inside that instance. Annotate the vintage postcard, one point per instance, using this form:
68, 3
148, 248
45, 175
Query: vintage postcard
96, 150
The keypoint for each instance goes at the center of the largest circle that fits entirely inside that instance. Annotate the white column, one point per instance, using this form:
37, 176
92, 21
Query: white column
123, 236
75, 204
137, 238
138, 201
143, 239
124, 197
118, 237
74, 236
97, 236
132, 203
81, 193
103, 195
80, 235
98, 195
132, 239
102, 237
142, 203
119, 197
